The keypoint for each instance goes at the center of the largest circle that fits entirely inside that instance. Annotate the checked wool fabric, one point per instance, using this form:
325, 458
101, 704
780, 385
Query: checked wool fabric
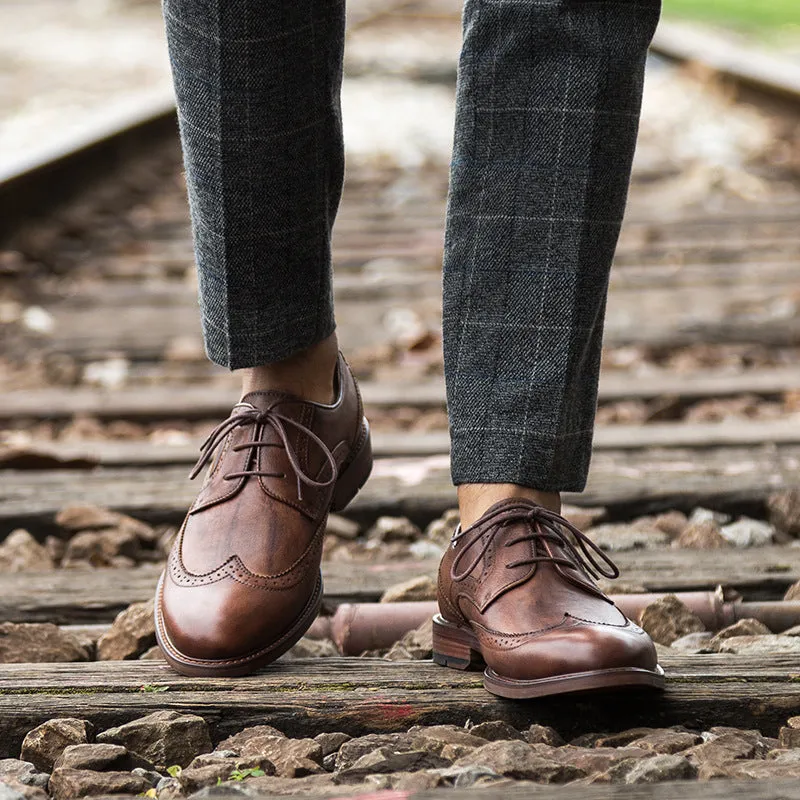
548, 100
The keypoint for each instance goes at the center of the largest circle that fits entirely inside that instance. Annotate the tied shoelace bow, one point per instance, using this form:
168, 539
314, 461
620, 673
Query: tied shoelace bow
254, 417
543, 525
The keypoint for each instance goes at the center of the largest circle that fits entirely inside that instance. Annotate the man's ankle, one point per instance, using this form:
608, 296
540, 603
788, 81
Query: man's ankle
309, 374
475, 499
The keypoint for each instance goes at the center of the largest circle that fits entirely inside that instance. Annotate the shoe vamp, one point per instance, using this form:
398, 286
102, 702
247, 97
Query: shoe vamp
267, 536
544, 601
227, 619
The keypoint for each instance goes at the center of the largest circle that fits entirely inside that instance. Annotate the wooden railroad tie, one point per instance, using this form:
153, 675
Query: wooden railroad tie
360, 696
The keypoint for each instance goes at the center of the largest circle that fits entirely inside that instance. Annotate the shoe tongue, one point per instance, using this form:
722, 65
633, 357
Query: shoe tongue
265, 400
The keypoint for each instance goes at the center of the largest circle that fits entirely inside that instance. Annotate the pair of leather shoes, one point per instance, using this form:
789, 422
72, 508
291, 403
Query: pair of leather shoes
243, 582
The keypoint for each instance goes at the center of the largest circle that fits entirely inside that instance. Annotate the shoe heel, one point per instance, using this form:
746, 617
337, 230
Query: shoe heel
354, 476
453, 646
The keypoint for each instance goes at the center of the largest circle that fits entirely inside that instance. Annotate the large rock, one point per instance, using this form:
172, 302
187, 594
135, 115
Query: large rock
673, 523
465, 777
496, 731
101, 758
164, 737
384, 759
406, 783
273, 786
76, 518
13, 770
210, 768
784, 511
618, 537
415, 589
668, 619
102, 549
341, 527
436, 737
667, 741
793, 592
394, 529
744, 627
45, 743
590, 759
132, 633
293, 758
247, 738
760, 770
761, 645
30, 642
415, 645
331, 742
20, 552
703, 535
543, 734
67, 784
519, 760
714, 754
620, 738
747, 532
17, 791
660, 768
311, 648
583, 517
789, 735
351, 751
441, 530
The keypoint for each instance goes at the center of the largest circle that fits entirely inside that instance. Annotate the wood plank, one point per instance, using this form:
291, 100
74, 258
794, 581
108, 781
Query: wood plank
368, 695
627, 482
212, 402
752, 66
753, 308
85, 596
387, 444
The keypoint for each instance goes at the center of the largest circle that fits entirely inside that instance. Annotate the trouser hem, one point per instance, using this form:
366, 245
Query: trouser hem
262, 346
477, 458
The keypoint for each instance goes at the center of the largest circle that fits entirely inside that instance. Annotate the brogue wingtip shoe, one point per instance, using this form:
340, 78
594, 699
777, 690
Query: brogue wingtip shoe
243, 583
517, 595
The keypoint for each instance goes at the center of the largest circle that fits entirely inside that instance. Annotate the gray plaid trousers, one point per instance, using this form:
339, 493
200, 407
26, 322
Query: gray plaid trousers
548, 101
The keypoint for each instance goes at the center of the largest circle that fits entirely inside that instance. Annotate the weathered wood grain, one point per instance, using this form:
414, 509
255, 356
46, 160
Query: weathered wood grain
387, 444
366, 695
87, 325
98, 595
211, 402
630, 482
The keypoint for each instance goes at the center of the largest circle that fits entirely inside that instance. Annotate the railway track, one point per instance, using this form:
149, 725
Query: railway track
106, 395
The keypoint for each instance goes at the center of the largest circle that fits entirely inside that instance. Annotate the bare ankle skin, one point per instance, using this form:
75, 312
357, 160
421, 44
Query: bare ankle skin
308, 374
474, 499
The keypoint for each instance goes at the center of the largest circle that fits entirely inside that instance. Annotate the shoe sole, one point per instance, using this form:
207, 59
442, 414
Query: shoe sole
350, 482
458, 648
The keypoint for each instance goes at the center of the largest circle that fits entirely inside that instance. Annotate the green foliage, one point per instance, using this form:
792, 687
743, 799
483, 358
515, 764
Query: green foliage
240, 774
745, 14
174, 771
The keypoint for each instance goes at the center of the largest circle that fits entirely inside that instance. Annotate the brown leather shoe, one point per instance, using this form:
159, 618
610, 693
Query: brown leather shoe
243, 581
516, 593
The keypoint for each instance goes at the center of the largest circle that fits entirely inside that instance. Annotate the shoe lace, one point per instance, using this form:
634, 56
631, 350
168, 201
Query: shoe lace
543, 524
279, 423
